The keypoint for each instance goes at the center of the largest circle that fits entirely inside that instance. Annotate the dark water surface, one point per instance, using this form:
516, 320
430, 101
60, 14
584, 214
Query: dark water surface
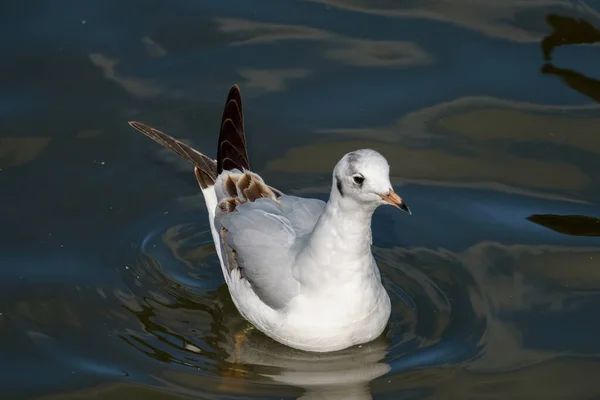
486, 110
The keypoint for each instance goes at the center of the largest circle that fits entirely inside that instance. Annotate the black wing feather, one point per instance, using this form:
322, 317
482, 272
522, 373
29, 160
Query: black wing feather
231, 151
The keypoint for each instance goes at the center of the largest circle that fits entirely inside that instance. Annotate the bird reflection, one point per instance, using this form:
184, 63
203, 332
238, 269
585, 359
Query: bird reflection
240, 354
340, 375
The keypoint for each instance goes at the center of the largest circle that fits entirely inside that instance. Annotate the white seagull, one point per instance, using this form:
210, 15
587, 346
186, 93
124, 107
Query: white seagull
300, 270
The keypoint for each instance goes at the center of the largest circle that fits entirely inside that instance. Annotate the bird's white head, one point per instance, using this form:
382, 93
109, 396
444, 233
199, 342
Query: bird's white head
363, 176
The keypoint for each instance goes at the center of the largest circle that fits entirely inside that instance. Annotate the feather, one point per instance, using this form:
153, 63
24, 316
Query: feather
231, 150
206, 168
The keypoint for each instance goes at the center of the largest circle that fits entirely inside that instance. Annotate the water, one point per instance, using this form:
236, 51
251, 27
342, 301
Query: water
487, 111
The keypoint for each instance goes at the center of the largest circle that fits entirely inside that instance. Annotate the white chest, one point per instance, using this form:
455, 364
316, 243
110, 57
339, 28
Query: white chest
337, 318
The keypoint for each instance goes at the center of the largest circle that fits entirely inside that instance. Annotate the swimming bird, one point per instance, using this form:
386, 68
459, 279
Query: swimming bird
299, 270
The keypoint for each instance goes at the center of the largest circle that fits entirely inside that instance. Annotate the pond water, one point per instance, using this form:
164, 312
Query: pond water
487, 111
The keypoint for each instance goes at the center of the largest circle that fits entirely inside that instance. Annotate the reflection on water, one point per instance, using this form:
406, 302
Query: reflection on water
16, 151
110, 285
577, 225
588, 86
183, 323
570, 31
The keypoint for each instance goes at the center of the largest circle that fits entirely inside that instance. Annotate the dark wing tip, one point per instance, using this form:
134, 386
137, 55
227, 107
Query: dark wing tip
137, 125
231, 149
149, 131
140, 126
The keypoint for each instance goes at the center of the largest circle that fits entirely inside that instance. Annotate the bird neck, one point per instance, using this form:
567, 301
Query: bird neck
344, 228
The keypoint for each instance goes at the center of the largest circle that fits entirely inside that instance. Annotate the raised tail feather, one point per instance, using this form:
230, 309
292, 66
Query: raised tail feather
231, 151
206, 168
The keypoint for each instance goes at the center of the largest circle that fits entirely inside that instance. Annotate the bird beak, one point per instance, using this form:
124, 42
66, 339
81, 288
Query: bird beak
395, 200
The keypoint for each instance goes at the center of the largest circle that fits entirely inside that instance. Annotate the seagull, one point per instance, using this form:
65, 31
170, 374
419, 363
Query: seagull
299, 270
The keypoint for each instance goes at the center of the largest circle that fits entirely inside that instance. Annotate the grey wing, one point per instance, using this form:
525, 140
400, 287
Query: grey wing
302, 213
258, 239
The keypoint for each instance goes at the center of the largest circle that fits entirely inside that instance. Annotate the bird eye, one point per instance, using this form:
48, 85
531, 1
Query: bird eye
359, 179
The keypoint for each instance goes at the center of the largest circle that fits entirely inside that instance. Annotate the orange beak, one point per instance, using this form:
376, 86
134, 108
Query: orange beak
395, 200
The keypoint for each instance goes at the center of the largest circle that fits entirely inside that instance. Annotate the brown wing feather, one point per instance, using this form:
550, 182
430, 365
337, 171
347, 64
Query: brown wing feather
206, 168
231, 150
243, 188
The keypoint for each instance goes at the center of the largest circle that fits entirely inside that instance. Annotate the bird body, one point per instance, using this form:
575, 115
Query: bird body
300, 270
